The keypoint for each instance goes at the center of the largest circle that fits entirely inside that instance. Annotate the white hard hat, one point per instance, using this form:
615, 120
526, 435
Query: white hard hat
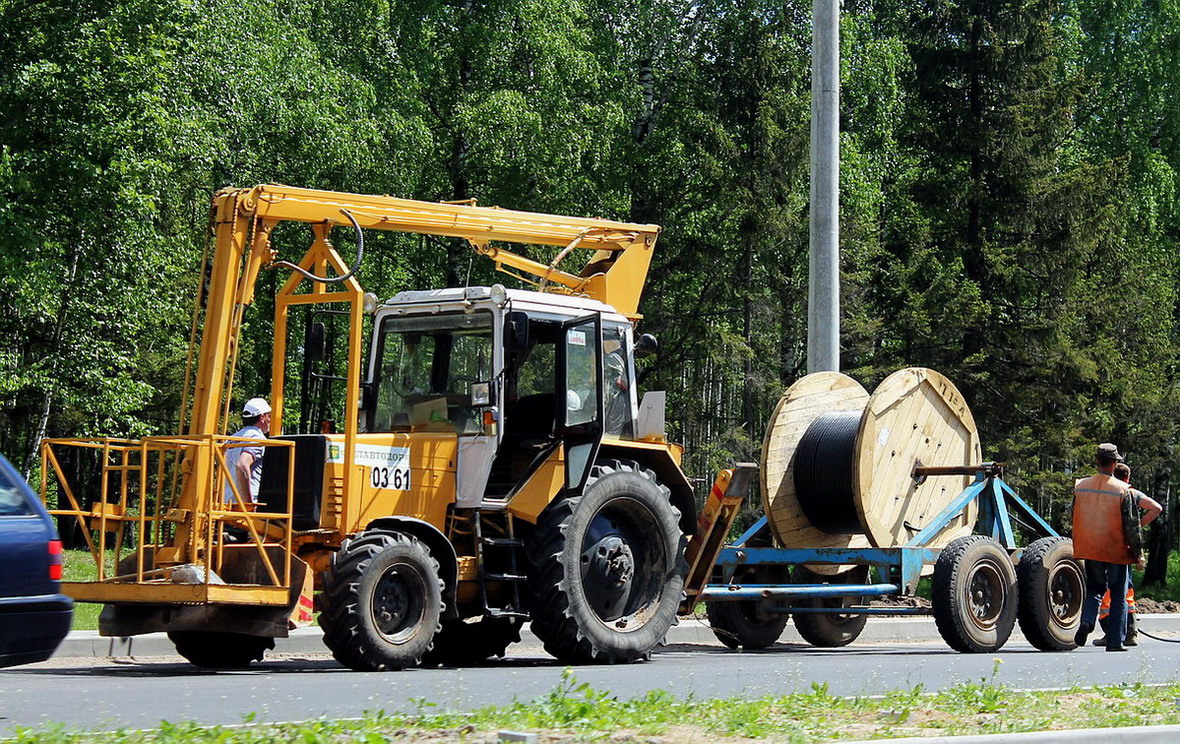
573, 401
255, 407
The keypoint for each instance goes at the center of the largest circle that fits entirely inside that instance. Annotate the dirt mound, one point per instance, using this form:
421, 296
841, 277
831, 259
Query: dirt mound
901, 602
1147, 605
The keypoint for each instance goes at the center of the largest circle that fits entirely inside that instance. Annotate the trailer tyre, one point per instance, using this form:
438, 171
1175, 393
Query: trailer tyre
462, 643
607, 568
829, 630
381, 602
220, 650
1052, 585
746, 624
749, 624
973, 594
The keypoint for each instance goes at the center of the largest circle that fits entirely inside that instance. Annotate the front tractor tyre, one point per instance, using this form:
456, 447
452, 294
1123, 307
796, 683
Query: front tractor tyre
1052, 585
973, 594
607, 568
220, 650
381, 602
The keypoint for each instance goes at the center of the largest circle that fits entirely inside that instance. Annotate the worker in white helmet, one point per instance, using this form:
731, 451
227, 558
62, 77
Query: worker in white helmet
245, 461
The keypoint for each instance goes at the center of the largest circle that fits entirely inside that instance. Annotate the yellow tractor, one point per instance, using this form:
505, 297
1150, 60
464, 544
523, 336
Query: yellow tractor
493, 463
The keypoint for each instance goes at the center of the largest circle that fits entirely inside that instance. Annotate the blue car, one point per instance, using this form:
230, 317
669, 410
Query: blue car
34, 615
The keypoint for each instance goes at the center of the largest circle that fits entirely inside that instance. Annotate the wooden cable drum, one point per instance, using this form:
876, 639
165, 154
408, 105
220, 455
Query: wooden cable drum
804, 402
837, 463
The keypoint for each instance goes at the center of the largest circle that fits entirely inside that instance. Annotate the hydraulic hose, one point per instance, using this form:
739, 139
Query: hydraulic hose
360, 255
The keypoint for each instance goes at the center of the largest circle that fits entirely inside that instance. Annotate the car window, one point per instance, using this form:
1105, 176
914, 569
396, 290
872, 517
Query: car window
13, 502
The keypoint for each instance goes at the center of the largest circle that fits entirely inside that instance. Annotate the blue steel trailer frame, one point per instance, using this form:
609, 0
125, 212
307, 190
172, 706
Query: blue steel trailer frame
902, 565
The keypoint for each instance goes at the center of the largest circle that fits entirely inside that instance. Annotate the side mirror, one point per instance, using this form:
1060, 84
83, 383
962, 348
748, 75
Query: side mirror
647, 345
516, 331
313, 342
481, 394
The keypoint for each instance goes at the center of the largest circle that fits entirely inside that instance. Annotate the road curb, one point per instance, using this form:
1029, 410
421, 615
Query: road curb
89, 644
1136, 734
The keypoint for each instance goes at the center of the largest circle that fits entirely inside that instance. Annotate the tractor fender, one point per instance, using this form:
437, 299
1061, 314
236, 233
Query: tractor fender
438, 544
660, 461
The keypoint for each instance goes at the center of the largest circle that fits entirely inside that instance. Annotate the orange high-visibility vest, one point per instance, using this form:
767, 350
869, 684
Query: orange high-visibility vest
1104, 609
1098, 520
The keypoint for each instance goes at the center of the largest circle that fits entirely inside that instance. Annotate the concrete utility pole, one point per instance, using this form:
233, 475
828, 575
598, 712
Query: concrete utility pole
823, 294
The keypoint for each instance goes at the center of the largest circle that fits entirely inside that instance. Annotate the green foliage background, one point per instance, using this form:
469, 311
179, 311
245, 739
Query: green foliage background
1009, 193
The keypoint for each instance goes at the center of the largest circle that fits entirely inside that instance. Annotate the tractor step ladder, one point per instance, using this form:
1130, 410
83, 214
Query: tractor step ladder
513, 575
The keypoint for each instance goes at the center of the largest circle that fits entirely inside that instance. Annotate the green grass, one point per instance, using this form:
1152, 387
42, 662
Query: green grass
574, 711
1169, 591
79, 565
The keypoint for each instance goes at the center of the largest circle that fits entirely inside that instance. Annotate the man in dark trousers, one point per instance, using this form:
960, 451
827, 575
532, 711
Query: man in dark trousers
1151, 509
1098, 538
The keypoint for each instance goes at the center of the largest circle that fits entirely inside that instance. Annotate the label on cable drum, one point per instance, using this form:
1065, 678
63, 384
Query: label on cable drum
883, 435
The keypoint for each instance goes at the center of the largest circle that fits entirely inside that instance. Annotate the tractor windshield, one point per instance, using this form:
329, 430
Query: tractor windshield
426, 369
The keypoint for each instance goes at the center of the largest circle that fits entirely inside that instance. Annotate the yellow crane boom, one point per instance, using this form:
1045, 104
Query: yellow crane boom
614, 274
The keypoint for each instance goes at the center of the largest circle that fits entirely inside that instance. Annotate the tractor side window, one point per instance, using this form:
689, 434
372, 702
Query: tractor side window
581, 382
617, 377
426, 368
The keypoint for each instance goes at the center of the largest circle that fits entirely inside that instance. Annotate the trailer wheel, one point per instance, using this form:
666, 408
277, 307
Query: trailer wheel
607, 568
1052, 586
746, 624
973, 594
461, 643
381, 602
829, 630
750, 624
220, 650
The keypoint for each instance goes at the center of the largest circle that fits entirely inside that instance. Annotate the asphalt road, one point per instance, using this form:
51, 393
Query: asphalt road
105, 694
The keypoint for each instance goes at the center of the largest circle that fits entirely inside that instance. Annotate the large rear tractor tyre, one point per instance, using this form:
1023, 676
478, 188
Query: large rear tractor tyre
829, 630
607, 568
381, 602
472, 641
219, 650
1052, 585
973, 594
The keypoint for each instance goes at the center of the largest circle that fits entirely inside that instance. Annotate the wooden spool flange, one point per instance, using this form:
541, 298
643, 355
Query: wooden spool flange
802, 403
915, 415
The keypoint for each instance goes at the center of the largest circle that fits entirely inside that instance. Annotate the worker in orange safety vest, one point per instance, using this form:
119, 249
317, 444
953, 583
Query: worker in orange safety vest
1098, 538
1152, 509
1132, 636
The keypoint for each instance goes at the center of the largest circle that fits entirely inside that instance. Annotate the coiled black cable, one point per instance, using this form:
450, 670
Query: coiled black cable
823, 472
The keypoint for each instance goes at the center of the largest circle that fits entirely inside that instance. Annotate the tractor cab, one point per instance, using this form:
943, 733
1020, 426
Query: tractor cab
510, 373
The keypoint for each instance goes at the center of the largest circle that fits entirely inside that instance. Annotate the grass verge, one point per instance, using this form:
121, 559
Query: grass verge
79, 565
574, 711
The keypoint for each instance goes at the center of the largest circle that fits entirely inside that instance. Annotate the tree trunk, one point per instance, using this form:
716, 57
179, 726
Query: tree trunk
54, 348
1159, 537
